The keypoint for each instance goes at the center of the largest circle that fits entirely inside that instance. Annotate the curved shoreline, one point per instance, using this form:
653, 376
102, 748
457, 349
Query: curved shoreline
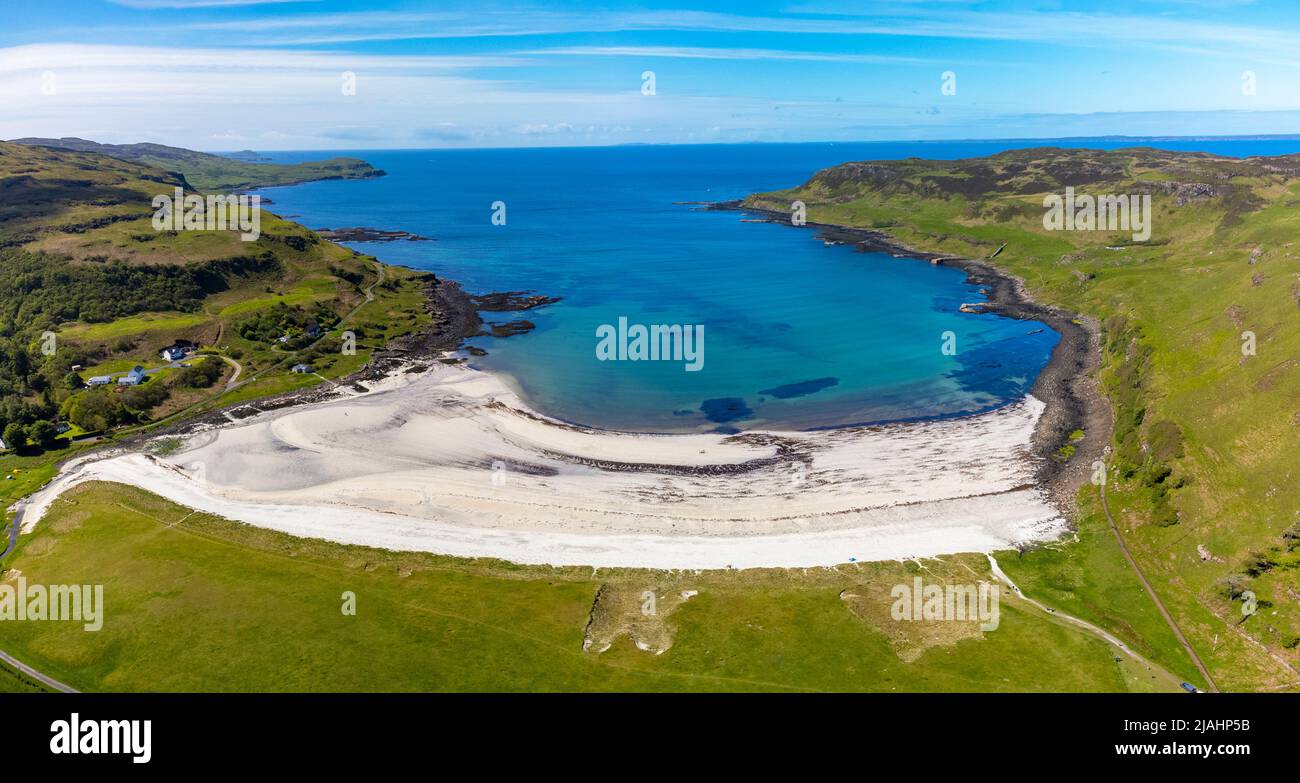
583, 496
1067, 383
451, 461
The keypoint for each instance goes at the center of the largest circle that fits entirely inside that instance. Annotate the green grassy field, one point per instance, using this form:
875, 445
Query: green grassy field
194, 602
13, 682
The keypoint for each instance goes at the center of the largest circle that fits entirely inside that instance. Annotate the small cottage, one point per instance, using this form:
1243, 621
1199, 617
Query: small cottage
133, 378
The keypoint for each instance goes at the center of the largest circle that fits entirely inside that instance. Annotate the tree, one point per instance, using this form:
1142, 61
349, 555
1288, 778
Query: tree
43, 433
200, 374
15, 436
142, 398
94, 411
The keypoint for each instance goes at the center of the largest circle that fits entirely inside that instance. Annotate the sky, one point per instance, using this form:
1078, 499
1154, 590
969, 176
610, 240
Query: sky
334, 75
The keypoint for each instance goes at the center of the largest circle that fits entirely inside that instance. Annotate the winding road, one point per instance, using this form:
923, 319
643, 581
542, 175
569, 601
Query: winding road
234, 379
13, 531
22, 668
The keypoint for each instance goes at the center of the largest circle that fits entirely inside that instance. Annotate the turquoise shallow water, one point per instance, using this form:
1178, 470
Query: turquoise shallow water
797, 334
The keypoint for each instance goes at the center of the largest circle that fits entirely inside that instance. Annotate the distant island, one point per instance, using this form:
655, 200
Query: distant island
205, 171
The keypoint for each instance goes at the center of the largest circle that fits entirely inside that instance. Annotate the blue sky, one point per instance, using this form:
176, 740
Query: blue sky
233, 74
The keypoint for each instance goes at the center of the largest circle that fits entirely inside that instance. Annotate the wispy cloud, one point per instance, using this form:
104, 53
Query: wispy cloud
440, 71
96, 58
293, 100
708, 53
153, 4
1071, 27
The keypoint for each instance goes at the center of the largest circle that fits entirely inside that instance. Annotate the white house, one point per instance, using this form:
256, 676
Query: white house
133, 378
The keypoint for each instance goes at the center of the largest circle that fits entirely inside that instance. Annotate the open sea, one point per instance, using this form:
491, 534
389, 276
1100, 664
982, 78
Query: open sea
797, 334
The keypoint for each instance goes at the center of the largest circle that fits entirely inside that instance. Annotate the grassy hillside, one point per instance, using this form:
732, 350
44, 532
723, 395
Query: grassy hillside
1207, 439
213, 173
194, 602
79, 257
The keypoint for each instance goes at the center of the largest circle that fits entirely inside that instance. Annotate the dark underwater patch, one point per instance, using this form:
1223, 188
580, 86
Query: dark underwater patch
724, 409
800, 389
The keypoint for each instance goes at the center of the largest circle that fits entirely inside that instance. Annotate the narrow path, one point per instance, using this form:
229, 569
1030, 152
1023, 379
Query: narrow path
1173, 626
1095, 630
49, 682
13, 531
232, 383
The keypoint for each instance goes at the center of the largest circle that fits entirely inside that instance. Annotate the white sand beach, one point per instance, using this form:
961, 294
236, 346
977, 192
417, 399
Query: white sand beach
451, 461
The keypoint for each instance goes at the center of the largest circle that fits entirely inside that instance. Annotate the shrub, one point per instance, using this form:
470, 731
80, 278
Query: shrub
142, 398
1166, 440
95, 410
15, 436
1234, 585
200, 374
43, 433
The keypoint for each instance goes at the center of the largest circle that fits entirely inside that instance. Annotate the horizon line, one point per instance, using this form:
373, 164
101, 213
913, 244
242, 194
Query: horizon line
1106, 137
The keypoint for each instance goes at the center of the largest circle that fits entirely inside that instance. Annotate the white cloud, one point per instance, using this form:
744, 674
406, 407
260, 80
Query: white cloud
151, 4
147, 58
216, 99
907, 20
707, 53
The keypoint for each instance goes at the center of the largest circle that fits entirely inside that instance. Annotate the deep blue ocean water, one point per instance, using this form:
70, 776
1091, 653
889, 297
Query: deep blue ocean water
797, 334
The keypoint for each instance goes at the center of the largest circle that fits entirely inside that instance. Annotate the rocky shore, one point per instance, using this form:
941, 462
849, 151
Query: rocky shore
512, 301
362, 234
1067, 384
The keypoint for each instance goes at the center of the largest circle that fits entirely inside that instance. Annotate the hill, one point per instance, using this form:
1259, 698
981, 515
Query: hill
211, 173
1200, 325
80, 259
